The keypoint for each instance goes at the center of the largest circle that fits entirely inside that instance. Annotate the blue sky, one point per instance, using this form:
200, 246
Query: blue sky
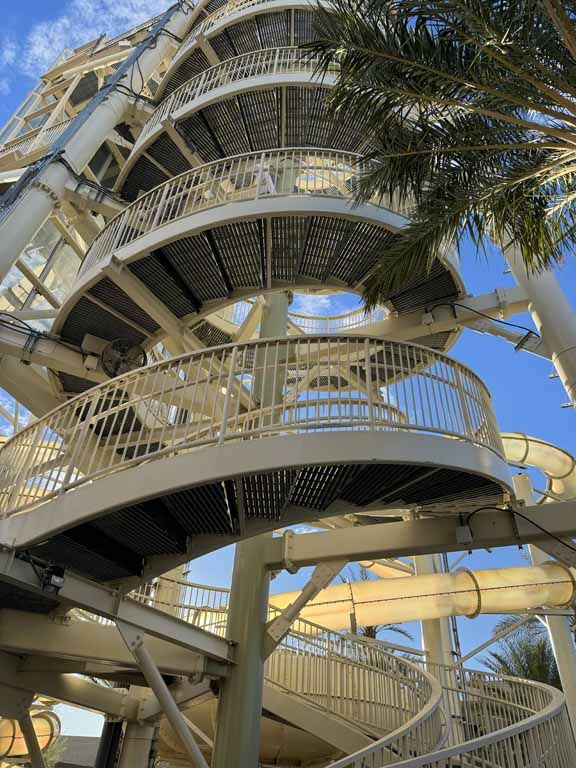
34, 32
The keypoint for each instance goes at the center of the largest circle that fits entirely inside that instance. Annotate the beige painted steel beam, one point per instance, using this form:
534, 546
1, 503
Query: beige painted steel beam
150, 303
430, 536
68, 688
41, 635
182, 692
27, 385
113, 605
45, 352
135, 641
86, 197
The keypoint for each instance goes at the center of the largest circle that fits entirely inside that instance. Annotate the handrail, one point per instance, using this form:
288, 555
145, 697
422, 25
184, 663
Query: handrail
237, 392
357, 318
204, 26
487, 712
235, 314
228, 9
544, 738
344, 675
251, 176
39, 137
268, 61
476, 701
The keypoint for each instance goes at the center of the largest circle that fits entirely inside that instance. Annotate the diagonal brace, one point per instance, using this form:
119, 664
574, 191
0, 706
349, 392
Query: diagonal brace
279, 627
134, 640
16, 703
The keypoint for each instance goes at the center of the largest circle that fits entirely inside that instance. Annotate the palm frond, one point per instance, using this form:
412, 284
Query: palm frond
469, 112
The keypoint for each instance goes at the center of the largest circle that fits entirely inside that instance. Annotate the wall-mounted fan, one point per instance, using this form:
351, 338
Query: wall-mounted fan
121, 356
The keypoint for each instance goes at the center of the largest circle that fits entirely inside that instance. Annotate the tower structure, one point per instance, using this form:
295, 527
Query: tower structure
167, 192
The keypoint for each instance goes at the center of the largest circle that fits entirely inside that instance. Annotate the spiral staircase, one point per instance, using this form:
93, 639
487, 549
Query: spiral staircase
327, 693
240, 188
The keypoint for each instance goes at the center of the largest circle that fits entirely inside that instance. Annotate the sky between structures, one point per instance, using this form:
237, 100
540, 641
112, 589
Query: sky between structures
34, 32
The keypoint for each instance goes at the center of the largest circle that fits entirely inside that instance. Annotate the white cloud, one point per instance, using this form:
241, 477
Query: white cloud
8, 51
325, 304
80, 22
313, 304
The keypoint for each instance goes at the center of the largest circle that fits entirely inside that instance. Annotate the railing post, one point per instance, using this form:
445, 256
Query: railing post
329, 678
463, 401
80, 442
228, 395
260, 174
369, 394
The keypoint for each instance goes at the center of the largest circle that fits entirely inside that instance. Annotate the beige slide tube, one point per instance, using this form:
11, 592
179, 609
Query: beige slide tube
12, 745
417, 598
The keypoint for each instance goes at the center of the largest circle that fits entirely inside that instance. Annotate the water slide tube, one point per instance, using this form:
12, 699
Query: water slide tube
417, 598
558, 465
464, 593
12, 745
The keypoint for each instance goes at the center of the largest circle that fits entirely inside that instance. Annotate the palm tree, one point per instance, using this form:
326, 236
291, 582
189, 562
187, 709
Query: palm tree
527, 656
532, 628
374, 631
470, 115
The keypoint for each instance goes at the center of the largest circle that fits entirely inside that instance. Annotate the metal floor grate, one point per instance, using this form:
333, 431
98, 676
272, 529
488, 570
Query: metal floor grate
114, 546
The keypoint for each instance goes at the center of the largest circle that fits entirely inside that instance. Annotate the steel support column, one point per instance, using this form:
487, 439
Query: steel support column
552, 315
108, 744
559, 630
34, 751
435, 637
437, 643
15, 703
136, 746
237, 742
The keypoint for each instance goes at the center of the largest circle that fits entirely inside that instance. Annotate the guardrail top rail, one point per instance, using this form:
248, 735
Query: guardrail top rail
236, 314
237, 392
273, 173
266, 62
505, 722
358, 681
204, 26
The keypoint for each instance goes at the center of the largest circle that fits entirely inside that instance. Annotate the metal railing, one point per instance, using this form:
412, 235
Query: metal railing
39, 138
357, 318
274, 173
488, 720
228, 9
358, 681
236, 314
203, 606
268, 62
497, 722
239, 392
204, 26
366, 685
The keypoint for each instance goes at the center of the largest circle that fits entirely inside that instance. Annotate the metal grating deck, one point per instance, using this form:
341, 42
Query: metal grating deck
115, 546
213, 265
247, 122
